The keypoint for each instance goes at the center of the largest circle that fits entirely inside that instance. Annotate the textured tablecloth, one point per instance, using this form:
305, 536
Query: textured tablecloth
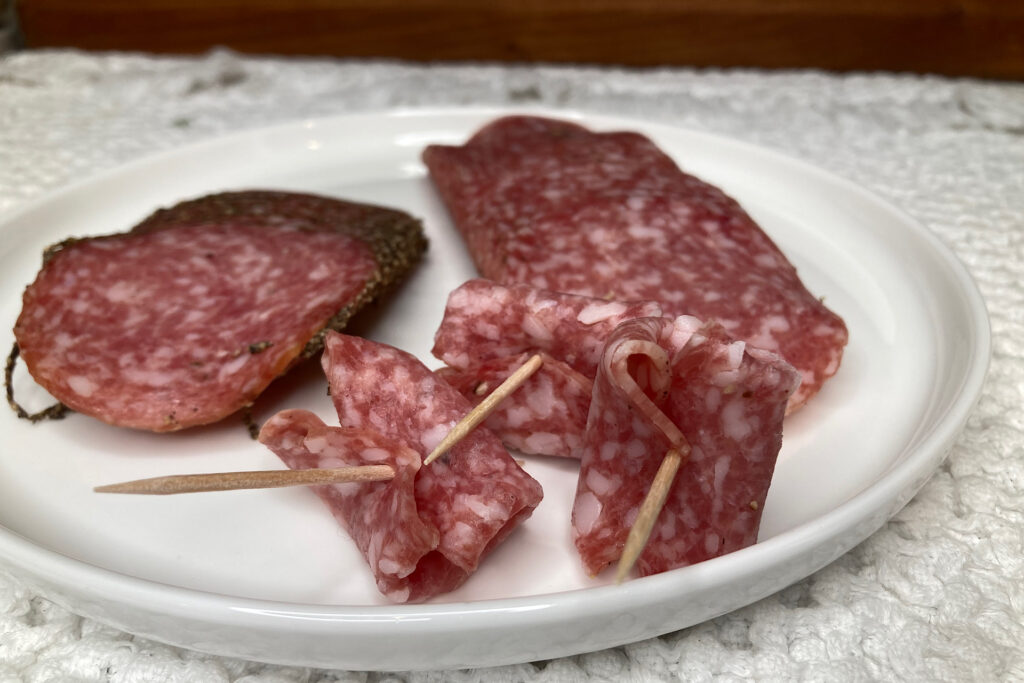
937, 594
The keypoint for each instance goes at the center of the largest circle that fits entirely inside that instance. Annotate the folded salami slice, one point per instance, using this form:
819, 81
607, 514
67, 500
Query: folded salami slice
487, 332
484, 320
476, 494
381, 517
546, 415
659, 378
188, 317
553, 205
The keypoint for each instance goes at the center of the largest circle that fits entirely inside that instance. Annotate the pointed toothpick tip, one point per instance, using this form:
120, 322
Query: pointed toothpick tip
258, 479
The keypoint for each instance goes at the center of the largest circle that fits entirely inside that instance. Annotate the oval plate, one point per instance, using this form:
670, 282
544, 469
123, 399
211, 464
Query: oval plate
268, 575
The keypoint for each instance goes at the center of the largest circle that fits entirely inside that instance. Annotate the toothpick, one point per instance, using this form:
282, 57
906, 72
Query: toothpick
679, 449
648, 514
259, 479
485, 408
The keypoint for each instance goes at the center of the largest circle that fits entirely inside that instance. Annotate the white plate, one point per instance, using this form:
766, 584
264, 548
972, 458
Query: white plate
267, 575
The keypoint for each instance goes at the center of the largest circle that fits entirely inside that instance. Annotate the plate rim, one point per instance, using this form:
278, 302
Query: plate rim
892, 489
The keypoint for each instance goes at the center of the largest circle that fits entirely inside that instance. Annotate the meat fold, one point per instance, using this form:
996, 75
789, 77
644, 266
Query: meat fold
546, 415
664, 382
489, 330
476, 494
382, 517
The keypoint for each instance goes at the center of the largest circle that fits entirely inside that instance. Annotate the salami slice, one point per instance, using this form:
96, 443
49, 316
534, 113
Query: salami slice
189, 316
382, 517
553, 205
546, 415
730, 401
487, 332
659, 378
484, 320
476, 494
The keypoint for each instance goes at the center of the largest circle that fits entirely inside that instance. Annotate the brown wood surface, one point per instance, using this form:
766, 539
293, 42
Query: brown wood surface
953, 37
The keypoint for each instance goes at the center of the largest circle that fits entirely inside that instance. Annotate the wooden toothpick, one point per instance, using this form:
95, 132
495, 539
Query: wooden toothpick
485, 408
259, 479
678, 451
648, 514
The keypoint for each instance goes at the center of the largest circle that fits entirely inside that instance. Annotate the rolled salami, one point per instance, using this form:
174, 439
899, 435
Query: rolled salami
660, 383
381, 517
476, 494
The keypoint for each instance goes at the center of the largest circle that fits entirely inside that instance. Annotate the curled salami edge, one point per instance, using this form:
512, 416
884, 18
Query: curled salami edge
57, 411
636, 362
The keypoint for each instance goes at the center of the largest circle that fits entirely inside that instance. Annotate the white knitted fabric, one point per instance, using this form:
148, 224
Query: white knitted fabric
937, 594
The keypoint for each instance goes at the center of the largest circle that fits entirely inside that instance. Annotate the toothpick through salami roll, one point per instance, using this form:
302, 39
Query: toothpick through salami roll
382, 517
660, 377
489, 329
551, 204
476, 494
190, 315
545, 416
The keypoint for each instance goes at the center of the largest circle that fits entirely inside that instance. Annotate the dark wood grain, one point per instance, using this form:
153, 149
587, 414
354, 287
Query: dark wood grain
952, 37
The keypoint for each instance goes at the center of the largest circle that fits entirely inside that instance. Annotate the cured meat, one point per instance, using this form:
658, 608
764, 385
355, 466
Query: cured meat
189, 316
489, 330
623, 447
381, 517
476, 494
658, 378
546, 415
484, 320
551, 204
